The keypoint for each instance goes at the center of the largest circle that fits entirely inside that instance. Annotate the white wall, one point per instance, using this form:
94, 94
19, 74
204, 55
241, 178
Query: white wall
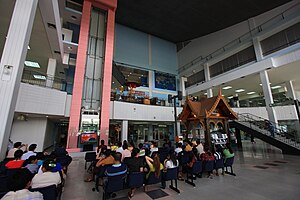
31, 131
41, 100
140, 112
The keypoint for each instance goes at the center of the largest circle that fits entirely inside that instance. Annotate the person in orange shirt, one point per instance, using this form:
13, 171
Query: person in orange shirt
17, 162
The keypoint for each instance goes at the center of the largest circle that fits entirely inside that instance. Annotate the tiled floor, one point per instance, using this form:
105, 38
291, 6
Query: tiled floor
262, 173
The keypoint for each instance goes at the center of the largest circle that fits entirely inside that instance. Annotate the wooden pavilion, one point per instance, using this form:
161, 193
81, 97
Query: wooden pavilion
209, 114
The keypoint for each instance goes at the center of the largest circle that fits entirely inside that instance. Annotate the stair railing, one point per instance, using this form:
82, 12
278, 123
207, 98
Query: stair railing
269, 128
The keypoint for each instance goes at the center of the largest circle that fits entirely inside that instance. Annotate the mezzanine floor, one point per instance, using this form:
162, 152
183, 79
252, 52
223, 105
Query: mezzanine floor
262, 173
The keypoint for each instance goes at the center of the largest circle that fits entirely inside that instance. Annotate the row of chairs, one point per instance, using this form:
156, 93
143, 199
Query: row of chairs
200, 167
137, 180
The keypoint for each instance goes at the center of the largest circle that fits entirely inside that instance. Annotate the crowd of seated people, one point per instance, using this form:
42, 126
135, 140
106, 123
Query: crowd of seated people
148, 158
41, 169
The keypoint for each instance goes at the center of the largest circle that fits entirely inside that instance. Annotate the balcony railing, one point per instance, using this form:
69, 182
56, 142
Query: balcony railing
37, 78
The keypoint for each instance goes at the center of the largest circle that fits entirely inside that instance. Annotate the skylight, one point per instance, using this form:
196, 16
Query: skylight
40, 77
227, 87
240, 90
250, 92
32, 64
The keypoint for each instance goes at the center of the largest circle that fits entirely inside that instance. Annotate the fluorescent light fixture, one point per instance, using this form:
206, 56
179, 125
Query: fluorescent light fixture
227, 87
32, 64
250, 92
230, 97
28, 47
276, 87
261, 84
240, 90
40, 77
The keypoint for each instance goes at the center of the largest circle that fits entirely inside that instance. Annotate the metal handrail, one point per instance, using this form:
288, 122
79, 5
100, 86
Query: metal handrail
57, 82
257, 123
239, 40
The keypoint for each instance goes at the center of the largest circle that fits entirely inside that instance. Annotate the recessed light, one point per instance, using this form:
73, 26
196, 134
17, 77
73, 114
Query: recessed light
240, 90
250, 92
28, 47
227, 87
142, 75
130, 73
40, 77
276, 87
32, 64
113, 82
47, 116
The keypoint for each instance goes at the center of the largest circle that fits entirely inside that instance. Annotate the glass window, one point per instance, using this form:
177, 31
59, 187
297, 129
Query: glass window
165, 81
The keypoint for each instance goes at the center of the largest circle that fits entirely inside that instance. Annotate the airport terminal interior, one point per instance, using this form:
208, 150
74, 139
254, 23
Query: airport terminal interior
219, 78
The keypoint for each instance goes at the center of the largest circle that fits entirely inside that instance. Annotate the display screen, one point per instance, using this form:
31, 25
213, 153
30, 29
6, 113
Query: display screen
90, 137
165, 81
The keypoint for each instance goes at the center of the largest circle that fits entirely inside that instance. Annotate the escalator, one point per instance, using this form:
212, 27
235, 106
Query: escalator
286, 140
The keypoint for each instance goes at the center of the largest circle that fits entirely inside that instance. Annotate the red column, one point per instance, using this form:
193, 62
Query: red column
75, 111
107, 75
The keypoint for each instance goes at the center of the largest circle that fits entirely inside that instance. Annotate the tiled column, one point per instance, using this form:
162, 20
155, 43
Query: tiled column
107, 75
50, 72
12, 64
124, 131
75, 111
268, 96
207, 78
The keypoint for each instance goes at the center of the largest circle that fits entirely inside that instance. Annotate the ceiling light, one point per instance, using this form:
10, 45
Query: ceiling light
230, 97
40, 77
227, 87
70, 48
276, 87
240, 90
113, 82
32, 64
261, 84
28, 47
142, 75
130, 73
250, 92
205, 93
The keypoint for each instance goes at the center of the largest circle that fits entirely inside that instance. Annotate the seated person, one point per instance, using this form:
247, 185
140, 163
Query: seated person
142, 150
117, 169
120, 148
62, 156
154, 165
18, 185
228, 152
169, 163
17, 146
30, 152
207, 156
48, 177
106, 159
134, 164
32, 164
125, 153
153, 148
17, 162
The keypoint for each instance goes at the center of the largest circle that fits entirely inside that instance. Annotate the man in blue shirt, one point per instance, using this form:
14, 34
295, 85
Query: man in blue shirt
117, 168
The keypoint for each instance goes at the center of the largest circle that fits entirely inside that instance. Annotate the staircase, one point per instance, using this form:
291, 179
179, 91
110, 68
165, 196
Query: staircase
286, 140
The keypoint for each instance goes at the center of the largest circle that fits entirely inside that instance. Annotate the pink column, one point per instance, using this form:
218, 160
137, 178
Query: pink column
79, 76
109, 49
